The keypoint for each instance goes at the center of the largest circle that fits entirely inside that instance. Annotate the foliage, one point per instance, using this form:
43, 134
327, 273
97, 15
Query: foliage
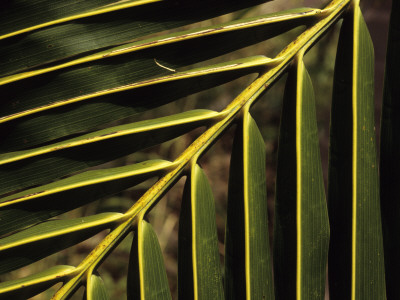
77, 78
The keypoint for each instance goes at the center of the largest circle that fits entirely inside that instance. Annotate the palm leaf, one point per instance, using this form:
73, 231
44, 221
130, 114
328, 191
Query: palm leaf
301, 217
146, 278
29, 286
248, 271
77, 81
96, 288
199, 269
354, 188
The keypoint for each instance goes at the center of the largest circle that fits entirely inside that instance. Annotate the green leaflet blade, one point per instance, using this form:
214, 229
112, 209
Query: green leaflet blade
301, 216
20, 15
368, 277
38, 204
94, 32
285, 234
389, 158
199, 275
35, 125
32, 244
312, 213
248, 267
340, 169
356, 266
31, 285
95, 288
147, 278
26, 168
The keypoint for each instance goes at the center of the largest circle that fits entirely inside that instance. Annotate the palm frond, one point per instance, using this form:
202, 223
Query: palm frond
77, 81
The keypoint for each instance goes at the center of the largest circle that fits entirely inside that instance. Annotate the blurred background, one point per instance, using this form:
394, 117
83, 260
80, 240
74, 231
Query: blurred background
165, 215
